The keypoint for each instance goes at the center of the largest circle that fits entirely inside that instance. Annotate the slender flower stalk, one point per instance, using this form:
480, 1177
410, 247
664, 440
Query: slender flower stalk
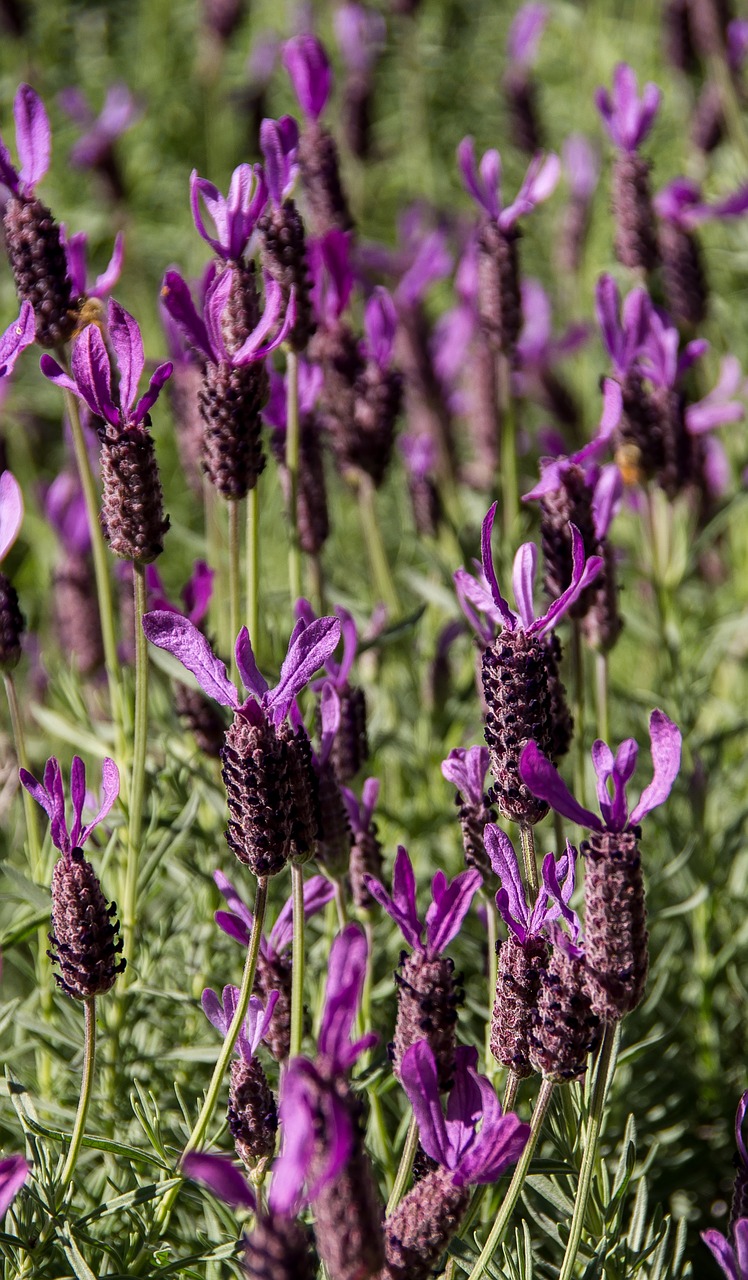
292, 467
140, 748
297, 970
79, 1128
380, 567
235, 572
405, 1166
253, 563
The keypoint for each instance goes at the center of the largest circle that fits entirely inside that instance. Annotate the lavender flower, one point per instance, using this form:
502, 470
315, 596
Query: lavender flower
11, 618
14, 1170
252, 1115
76, 606
628, 120
284, 253
732, 1258
234, 216
76, 252
266, 765
366, 851
624, 330
617, 959
95, 149
681, 210
361, 34
428, 994
538, 351
35, 251
84, 929
132, 504
349, 748
309, 69
519, 86
422, 1225
581, 165
466, 769
312, 512
420, 455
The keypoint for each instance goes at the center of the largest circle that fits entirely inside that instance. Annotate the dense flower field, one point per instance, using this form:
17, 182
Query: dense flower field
373, 588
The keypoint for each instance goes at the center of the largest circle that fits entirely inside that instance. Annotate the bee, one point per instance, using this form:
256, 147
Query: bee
90, 311
628, 460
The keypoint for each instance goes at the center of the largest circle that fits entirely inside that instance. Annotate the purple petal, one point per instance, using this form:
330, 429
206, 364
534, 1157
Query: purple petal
51, 370
215, 1011
220, 1176
189, 646
93, 375
11, 512
297, 1152
252, 348
318, 891
307, 64
33, 137
419, 1080
466, 769
380, 326
308, 652
741, 1245
177, 300
198, 591
126, 338
109, 793
545, 782
513, 905
216, 206
446, 914
559, 896
739, 1139
582, 166
258, 1020
500, 1143
8, 172
53, 787
665, 740
37, 791
508, 618
104, 283
606, 499
278, 142
369, 797
523, 581
486, 189
349, 634
17, 337
607, 307
465, 1103
14, 1170
149, 398
724, 1254
233, 926
525, 32
216, 300
329, 710
345, 979
246, 665
401, 907
583, 574
471, 592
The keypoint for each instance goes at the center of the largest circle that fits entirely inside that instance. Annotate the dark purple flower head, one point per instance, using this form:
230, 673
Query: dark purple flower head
50, 795
17, 337
206, 332
483, 183
14, 1170
92, 371
256, 1023
485, 596
196, 593
237, 922
65, 508
558, 883
623, 330
361, 812
308, 66
279, 140
33, 143
76, 252
308, 647
544, 780
733, 1259
332, 275
466, 769
361, 34
235, 216
627, 117
525, 32
420, 455
11, 512
719, 407
221, 1176
581, 165
118, 114
449, 906
337, 670
380, 327
472, 1154
681, 202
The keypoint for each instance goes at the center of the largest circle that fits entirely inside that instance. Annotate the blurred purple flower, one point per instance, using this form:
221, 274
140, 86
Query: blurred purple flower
221, 1015
627, 117
17, 337
33, 143
196, 593
308, 66
76, 252
733, 1259
680, 201
118, 114
279, 141
581, 164
361, 33
525, 32
623, 330
14, 1170
483, 183
65, 508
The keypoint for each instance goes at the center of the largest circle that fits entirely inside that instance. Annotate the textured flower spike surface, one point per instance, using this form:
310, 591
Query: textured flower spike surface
499, 301
14, 1170
84, 928
428, 991
466, 768
32, 237
321, 1121
350, 747
266, 764
273, 974
628, 119
234, 386
739, 1204
311, 76
615, 912
132, 514
420, 1228
252, 1114
281, 228
681, 210
11, 618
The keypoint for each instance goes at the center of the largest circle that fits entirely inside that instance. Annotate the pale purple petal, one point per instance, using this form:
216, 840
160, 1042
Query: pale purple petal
11, 512
177, 300
219, 1175
257, 1021
445, 916
251, 677
278, 142
739, 1139
215, 302
14, 1170
419, 1080
583, 574
308, 66
126, 338
214, 1011
606, 499
17, 337
485, 189
33, 136
474, 598
724, 1254
349, 634
252, 348
525, 32
741, 1246
466, 768
104, 283
216, 206
93, 375
109, 793
37, 791
308, 652
539, 183
559, 895
582, 166
508, 618
510, 899
465, 1103
346, 970
545, 782
380, 326
665, 740
500, 1143
369, 797
189, 646
523, 581
329, 714
401, 907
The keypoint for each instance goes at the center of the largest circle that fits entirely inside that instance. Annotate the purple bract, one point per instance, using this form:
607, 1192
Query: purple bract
256, 1022
627, 117
308, 66
483, 183
558, 883
237, 922
51, 796
14, 1170
33, 142
11, 512
279, 140
205, 332
76, 252
17, 337
196, 593
235, 216
449, 906
466, 769
733, 1259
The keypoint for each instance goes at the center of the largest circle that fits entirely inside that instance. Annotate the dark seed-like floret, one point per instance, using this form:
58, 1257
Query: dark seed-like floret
255, 774
279, 1248
515, 685
499, 300
564, 1030
39, 265
252, 1113
11, 625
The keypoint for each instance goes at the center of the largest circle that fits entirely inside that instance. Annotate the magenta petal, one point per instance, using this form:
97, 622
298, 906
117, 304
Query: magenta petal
349, 633
513, 904
508, 618
345, 979
177, 300
445, 915
500, 1144
318, 891
14, 1170
523, 581
251, 677
298, 1143
11, 512
465, 1103
93, 375
126, 338
545, 782
419, 1080
17, 337
33, 136
189, 646
111, 274
329, 713
380, 325
665, 739
485, 189
214, 1010
233, 926
305, 656
307, 64
78, 798
109, 793
220, 1176
146, 402
724, 1254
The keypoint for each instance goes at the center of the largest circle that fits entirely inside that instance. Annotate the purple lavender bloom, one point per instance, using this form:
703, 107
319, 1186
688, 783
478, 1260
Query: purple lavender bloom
581, 165
51, 796
221, 1015
275, 412
308, 66
737, 43
558, 883
17, 337
681, 202
33, 142
361, 34
544, 781
719, 406
279, 140
627, 117
449, 906
65, 508
206, 332
196, 593
221, 1176
92, 371
337, 671
466, 769
361, 812
659, 358
308, 647
332, 275
472, 1154
420, 455
11, 512
118, 114
537, 349
237, 922
733, 1259
426, 260
624, 330
235, 216
483, 183
14, 1170
76, 252
525, 32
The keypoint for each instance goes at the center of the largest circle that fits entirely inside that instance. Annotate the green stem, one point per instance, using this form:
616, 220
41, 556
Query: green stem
235, 574
380, 568
137, 784
603, 1075
317, 584
720, 73
511, 1089
527, 840
29, 809
577, 684
297, 966
405, 1166
253, 566
342, 914
509, 481
89, 1055
292, 467
518, 1179
493, 964
601, 685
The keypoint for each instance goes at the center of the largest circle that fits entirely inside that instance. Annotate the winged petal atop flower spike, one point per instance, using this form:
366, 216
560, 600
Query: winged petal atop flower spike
419, 1080
11, 512
318, 891
545, 782
177, 300
509, 618
51, 796
665, 740
17, 337
279, 140
311, 648
33, 137
14, 1170
482, 182
221, 1176
401, 907
234, 217
539, 183
380, 326
719, 406
627, 117
256, 1023
450, 905
345, 982
624, 331
308, 66
181, 638
732, 1259
466, 769
301, 1108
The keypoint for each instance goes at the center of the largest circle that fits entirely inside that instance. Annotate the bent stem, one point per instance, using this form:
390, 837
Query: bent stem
292, 467
518, 1179
380, 568
297, 964
89, 1055
253, 567
404, 1167
137, 783
527, 840
603, 1075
